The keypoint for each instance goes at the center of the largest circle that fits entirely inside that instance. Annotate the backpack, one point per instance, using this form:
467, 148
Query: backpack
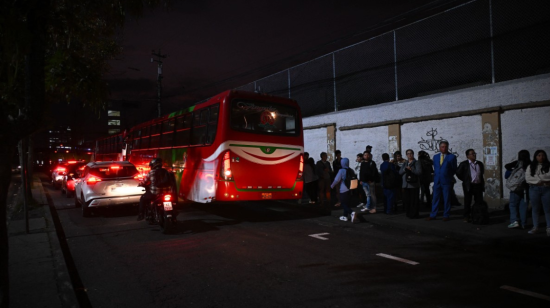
480, 213
390, 179
516, 179
351, 179
163, 178
427, 170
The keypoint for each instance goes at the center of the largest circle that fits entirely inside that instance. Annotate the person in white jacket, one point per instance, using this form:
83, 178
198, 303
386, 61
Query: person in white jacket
538, 178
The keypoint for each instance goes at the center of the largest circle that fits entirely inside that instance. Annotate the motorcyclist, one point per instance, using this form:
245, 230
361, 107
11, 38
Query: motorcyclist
153, 181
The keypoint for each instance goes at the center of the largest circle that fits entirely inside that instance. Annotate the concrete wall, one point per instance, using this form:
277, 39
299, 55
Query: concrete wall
315, 142
352, 142
525, 90
425, 120
524, 129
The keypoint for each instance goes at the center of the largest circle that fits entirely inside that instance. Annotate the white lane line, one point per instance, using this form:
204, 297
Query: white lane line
318, 236
524, 292
383, 255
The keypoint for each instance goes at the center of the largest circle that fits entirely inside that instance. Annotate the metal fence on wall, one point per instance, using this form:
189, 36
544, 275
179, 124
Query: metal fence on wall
480, 42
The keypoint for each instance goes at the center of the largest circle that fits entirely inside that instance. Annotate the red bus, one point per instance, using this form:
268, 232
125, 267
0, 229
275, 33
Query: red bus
235, 146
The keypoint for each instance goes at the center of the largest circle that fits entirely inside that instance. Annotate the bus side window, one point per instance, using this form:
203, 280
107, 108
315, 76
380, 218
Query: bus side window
212, 123
183, 130
167, 133
136, 138
198, 135
145, 137
155, 135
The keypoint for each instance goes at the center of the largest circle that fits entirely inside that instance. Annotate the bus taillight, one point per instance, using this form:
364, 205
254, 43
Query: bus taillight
226, 166
301, 170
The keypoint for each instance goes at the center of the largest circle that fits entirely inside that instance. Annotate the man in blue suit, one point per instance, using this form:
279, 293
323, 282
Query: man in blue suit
444, 171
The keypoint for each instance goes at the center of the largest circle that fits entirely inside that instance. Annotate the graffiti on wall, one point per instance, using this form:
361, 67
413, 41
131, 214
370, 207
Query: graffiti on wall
432, 144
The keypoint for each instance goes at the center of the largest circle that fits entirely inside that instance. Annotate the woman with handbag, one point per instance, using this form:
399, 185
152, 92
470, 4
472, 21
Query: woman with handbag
411, 171
519, 198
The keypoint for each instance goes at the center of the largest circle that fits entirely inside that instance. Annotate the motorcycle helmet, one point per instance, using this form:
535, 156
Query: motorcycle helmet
155, 163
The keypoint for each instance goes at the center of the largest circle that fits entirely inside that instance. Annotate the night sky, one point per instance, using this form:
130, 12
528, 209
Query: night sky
213, 46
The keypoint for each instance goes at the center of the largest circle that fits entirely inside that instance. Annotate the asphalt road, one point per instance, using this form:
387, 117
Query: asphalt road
262, 254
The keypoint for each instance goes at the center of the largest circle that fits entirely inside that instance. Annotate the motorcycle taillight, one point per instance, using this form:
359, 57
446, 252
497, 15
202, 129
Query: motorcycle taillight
167, 198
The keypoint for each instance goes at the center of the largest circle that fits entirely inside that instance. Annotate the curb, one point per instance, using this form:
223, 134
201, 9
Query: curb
66, 292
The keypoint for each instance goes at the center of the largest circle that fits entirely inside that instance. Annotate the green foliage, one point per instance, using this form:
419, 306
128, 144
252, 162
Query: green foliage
81, 38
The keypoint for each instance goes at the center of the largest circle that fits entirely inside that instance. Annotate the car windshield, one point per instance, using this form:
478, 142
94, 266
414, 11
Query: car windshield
264, 117
113, 171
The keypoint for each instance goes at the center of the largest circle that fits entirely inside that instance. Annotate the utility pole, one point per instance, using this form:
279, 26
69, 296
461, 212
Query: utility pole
159, 75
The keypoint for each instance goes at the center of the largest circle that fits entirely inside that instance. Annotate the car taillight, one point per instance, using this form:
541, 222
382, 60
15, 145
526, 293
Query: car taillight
115, 167
60, 169
226, 166
93, 180
138, 177
301, 168
167, 197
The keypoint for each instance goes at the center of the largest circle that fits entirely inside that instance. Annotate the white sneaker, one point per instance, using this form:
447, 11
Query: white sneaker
353, 218
513, 225
361, 205
343, 218
364, 209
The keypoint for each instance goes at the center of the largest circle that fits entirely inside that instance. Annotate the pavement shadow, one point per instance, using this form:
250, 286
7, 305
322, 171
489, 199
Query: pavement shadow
196, 226
265, 211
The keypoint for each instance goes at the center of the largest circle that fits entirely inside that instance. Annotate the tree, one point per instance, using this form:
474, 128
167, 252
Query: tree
51, 51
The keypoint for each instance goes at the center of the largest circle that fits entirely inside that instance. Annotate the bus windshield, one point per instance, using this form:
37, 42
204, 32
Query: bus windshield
264, 117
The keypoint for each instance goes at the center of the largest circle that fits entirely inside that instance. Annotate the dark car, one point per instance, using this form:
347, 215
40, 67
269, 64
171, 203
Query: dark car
67, 185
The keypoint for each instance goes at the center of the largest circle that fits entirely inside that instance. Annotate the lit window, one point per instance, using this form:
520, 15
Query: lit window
114, 122
113, 113
114, 131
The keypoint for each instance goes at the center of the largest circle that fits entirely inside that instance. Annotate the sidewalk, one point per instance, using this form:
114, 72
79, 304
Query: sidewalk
38, 274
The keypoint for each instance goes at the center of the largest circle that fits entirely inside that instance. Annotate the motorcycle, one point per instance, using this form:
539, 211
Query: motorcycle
161, 212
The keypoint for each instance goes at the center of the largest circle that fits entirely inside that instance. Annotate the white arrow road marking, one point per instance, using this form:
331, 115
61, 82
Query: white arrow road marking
524, 292
383, 255
318, 236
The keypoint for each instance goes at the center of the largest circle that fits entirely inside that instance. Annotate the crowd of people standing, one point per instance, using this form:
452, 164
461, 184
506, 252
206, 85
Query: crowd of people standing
409, 179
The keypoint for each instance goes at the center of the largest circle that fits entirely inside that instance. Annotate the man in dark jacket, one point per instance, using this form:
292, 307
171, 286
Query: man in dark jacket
470, 172
155, 181
368, 176
324, 171
427, 176
389, 191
